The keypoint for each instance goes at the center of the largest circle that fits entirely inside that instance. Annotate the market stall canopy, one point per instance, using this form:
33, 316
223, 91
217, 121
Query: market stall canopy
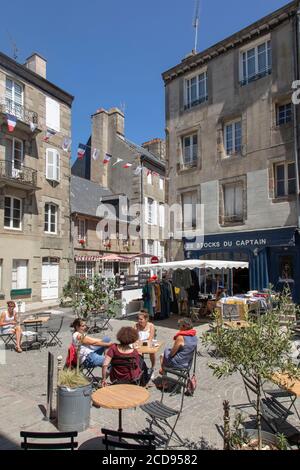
197, 263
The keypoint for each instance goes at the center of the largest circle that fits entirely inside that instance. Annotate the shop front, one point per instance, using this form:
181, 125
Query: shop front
273, 256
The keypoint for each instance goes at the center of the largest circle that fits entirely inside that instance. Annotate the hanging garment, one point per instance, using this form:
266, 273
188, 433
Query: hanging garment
186, 279
194, 289
158, 298
165, 300
147, 298
177, 278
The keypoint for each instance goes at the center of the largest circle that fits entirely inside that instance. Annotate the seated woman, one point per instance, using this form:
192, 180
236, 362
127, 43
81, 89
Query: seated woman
146, 332
185, 343
212, 304
128, 372
91, 353
9, 324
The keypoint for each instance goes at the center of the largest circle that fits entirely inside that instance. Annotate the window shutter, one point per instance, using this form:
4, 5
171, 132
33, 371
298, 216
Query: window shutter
52, 114
22, 274
154, 215
146, 209
239, 200
57, 166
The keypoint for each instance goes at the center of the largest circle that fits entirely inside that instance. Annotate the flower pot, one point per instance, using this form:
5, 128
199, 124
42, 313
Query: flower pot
73, 408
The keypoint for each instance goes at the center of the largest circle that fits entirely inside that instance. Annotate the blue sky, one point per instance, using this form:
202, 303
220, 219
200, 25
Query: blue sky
109, 52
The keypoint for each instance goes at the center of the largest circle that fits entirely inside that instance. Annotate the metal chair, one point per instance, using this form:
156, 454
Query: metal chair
53, 329
231, 312
8, 339
274, 413
160, 413
88, 371
143, 441
130, 364
70, 444
99, 322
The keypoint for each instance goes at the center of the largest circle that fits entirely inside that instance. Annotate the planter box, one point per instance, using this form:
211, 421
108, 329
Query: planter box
19, 292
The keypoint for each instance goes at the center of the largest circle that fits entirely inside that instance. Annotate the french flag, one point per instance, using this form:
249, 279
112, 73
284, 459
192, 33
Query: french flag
127, 165
49, 133
81, 151
11, 122
107, 158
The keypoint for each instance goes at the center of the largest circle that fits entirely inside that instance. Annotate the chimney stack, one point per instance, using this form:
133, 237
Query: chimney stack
36, 63
117, 118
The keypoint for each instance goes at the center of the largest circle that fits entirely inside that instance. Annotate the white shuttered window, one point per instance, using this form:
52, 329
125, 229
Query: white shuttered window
52, 114
19, 274
52, 165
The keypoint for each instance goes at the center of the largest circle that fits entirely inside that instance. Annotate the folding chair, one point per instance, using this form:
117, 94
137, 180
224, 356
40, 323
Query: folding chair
278, 393
70, 444
143, 441
231, 312
8, 339
53, 329
274, 413
185, 373
160, 413
130, 364
71, 362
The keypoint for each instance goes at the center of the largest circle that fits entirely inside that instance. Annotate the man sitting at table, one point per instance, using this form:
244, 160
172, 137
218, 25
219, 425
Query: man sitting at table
212, 304
9, 324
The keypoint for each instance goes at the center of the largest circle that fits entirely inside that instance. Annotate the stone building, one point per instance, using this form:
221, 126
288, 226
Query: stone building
142, 182
34, 182
232, 146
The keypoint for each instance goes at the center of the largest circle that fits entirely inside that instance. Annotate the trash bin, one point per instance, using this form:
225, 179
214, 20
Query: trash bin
73, 408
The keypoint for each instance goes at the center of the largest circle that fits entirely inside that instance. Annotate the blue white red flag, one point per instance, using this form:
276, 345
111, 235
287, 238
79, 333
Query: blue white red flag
11, 122
81, 151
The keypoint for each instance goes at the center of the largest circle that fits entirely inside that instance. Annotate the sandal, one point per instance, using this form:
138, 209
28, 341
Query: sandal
18, 350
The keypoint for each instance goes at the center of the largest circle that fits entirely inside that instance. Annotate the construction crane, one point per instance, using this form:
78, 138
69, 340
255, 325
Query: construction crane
196, 24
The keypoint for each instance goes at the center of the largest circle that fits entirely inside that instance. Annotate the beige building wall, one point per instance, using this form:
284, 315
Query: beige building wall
31, 242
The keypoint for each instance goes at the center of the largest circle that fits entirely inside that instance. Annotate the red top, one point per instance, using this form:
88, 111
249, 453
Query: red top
126, 372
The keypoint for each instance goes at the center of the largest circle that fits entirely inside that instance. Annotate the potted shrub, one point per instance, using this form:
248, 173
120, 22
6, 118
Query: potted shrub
257, 352
97, 295
73, 399
236, 437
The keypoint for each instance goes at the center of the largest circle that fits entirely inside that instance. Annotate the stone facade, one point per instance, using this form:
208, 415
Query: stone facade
29, 256
260, 102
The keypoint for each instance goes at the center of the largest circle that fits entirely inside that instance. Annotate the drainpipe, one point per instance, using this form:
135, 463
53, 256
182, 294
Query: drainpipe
142, 215
295, 113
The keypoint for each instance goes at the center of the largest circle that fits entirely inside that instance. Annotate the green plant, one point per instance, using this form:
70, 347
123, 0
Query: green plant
282, 442
71, 378
238, 435
97, 295
258, 351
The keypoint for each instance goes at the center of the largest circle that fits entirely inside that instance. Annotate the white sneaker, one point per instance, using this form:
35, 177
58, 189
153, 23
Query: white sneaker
151, 373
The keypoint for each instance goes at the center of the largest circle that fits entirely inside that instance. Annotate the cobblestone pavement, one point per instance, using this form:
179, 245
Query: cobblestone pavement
23, 379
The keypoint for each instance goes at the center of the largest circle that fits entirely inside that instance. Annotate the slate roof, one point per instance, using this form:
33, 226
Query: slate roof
86, 196
150, 156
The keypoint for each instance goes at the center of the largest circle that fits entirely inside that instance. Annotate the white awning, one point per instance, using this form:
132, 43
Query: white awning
197, 263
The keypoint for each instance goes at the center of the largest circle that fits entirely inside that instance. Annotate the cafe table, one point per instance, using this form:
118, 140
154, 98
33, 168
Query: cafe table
236, 325
120, 397
149, 348
290, 384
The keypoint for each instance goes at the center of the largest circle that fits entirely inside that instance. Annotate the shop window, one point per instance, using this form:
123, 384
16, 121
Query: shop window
85, 269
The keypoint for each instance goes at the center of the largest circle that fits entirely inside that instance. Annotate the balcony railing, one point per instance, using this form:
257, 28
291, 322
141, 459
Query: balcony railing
18, 173
11, 107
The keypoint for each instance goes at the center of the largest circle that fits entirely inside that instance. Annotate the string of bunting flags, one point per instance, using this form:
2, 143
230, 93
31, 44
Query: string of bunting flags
81, 149
11, 120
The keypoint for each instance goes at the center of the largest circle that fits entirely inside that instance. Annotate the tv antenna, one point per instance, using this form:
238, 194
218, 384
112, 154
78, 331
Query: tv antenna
15, 50
196, 24
123, 106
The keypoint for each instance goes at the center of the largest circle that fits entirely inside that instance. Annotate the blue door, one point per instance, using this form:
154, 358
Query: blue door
285, 270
